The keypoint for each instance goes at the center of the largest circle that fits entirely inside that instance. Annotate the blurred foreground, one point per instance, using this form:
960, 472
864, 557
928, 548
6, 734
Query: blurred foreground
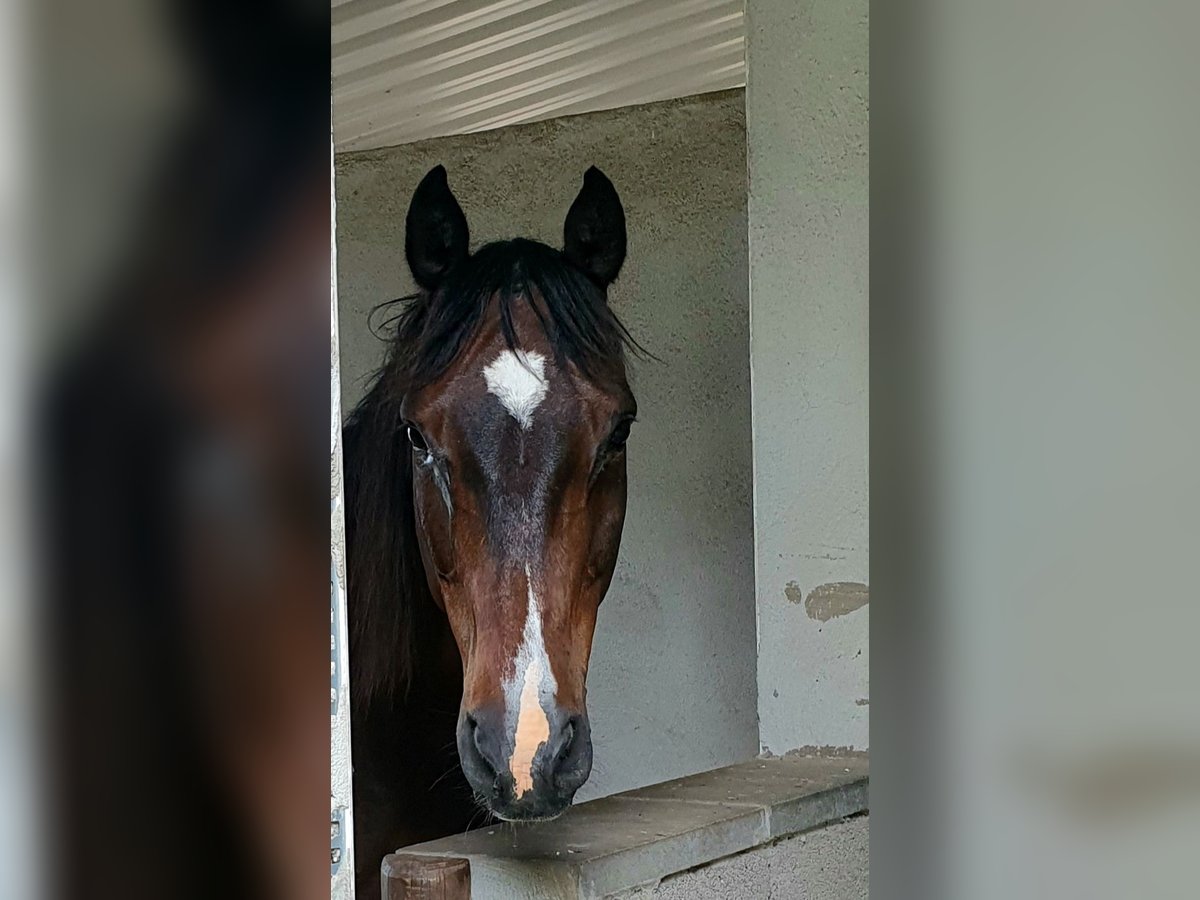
1035, 401
180, 266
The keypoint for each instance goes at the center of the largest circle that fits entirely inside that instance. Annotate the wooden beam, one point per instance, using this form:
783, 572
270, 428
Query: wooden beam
408, 877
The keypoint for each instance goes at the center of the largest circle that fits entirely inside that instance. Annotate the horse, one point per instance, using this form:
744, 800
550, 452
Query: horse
485, 497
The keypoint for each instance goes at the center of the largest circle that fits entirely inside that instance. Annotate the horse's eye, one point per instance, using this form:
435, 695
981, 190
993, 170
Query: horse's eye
620, 434
416, 439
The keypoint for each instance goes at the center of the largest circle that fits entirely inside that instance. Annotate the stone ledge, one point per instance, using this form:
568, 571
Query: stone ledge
640, 837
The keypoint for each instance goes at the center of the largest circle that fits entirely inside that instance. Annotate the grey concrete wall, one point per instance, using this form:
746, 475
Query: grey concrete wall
672, 685
830, 863
807, 114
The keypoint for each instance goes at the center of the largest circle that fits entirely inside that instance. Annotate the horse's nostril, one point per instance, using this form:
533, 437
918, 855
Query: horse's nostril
478, 739
568, 739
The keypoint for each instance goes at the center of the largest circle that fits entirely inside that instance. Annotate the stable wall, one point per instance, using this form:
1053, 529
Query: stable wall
672, 684
807, 114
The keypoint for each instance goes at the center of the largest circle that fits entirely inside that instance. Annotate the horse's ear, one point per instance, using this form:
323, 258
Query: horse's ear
594, 233
435, 230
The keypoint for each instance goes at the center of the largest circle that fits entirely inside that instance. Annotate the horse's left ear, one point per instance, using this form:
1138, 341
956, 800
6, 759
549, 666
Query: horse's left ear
594, 233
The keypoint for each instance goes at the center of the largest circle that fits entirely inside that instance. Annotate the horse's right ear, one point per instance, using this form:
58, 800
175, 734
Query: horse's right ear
435, 231
594, 233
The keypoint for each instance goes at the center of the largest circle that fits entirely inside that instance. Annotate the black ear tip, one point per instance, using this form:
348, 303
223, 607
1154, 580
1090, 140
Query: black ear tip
594, 177
435, 177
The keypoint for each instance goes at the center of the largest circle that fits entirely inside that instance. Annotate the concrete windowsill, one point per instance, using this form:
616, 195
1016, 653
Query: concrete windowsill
640, 837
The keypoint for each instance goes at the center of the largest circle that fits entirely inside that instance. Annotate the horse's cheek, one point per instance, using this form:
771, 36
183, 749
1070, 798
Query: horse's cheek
609, 519
435, 521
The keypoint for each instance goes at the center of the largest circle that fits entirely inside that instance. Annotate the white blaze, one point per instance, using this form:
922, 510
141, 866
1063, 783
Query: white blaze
518, 381
531, 680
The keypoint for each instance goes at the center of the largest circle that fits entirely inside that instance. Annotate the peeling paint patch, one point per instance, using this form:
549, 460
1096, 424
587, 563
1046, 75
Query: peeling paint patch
835, 599
792, 591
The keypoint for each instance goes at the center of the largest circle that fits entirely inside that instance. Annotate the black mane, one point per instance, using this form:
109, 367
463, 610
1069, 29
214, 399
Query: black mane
390, 607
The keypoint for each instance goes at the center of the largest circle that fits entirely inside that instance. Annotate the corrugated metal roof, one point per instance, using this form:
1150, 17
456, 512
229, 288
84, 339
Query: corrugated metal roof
409, 70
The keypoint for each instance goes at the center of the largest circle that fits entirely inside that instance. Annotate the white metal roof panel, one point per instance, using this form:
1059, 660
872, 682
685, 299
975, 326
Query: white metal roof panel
415, 69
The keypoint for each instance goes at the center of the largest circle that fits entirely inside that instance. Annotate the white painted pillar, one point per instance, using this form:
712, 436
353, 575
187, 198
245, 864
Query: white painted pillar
341, 809
807, 150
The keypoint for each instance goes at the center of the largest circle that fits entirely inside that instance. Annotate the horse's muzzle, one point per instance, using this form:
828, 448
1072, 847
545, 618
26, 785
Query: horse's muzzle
560, 765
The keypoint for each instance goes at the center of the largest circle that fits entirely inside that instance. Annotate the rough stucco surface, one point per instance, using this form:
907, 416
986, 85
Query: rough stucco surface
807, 115
672, 684
830, 863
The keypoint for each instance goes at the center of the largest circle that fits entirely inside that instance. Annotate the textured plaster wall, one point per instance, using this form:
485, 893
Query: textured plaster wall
672, 685
807, 114
830, 863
